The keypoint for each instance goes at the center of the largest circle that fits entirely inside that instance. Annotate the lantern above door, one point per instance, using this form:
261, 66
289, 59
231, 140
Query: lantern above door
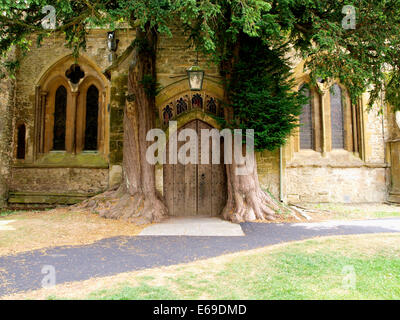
195, 77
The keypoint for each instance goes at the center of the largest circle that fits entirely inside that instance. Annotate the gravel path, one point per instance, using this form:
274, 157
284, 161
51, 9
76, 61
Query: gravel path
122, 254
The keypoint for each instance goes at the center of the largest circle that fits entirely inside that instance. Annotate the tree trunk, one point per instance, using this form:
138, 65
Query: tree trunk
137, 199
246, 200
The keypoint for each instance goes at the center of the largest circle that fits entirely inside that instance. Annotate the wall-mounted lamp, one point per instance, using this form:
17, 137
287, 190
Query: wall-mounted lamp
112, 44
195, 77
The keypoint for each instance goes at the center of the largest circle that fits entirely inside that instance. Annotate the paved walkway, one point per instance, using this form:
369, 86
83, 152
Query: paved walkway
194, 226
122, 254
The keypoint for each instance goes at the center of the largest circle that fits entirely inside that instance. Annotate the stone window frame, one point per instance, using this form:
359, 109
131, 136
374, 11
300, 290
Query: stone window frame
76, 109
351, 121
316, 120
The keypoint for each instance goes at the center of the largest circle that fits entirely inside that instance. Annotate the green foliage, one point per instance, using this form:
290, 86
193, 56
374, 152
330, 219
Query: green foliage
262, 93
359, 58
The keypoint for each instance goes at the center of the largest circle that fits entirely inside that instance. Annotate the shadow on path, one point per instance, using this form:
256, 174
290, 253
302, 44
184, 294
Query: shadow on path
122, 254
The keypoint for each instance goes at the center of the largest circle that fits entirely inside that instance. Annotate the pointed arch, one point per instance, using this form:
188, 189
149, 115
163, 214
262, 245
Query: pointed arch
76, 76
60, 118
186, 103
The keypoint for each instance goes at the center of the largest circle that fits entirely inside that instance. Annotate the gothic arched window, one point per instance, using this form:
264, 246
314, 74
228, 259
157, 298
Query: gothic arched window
167, 114
181, 106
337, 117
197, 101
70, 109
21, 136
92, 115
60, 116
212, 105
306, 123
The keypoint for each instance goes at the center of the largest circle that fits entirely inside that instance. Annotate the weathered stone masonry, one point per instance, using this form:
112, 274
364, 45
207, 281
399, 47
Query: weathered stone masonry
320, 175
7, 94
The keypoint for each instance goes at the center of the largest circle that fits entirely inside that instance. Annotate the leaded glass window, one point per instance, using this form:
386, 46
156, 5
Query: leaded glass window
337, 119
92, 115
306, 123
197, 101
60, 116
212, 106
167, 114
21, 136
181, 106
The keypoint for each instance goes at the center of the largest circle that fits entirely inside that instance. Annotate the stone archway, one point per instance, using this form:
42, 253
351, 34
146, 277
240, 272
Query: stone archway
195, 189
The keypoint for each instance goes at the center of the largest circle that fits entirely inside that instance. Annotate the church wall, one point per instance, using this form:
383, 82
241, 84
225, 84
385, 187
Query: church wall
333, 176
74, 176
393, 154
340, 175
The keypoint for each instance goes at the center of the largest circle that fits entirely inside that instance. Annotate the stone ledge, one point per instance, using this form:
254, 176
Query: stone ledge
90, 160
394, 197
57, 166
33, 198
339, 166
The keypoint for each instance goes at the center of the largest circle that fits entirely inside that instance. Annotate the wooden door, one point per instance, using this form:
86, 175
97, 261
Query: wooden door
195, 189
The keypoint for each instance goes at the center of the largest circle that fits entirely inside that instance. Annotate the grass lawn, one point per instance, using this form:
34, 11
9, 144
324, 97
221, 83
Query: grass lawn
320, 268
30, 230
333, 211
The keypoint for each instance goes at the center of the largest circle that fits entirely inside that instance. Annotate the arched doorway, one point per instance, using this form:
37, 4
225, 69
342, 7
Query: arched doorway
195, 189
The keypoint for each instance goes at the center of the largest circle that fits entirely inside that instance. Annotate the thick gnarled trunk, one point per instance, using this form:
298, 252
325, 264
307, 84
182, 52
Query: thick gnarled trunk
246, 200
137, 199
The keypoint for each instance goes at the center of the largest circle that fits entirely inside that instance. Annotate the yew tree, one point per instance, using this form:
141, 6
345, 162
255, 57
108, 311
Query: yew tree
250, 41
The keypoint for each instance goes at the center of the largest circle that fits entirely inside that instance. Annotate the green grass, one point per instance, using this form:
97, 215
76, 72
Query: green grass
313, 269
140, 292
6, 213
358, 211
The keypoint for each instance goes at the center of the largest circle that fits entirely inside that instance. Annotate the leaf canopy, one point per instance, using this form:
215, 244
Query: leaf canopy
364, 58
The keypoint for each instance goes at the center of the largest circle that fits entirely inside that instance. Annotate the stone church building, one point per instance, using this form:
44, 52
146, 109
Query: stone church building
61, 133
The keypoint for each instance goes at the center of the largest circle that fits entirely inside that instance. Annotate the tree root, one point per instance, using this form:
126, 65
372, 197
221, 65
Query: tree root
251, 206
117, 204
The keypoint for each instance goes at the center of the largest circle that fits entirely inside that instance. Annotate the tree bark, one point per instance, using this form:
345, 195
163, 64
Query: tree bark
246, 200
137, 199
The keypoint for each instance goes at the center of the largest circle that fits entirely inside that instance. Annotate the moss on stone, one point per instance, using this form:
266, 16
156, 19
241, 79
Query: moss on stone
118, 89
116, 120
47, 198
65, 159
